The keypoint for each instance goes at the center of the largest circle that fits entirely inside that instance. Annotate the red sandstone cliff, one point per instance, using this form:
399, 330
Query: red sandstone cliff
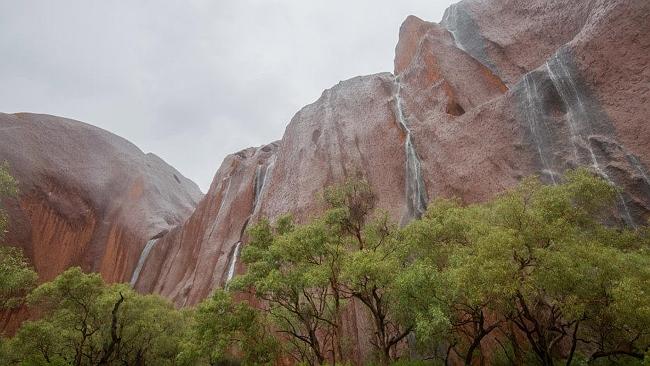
87, 197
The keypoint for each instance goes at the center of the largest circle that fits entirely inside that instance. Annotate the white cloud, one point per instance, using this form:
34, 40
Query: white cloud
191, 81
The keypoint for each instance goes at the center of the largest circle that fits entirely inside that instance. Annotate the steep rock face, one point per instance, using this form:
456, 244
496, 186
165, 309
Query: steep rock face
191, 260
496, 92
469, 113
463, 126
87, 197
512, 37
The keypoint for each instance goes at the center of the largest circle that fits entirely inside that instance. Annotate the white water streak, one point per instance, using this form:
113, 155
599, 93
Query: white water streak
451, 23
233, 262
578, 121
532, 114
637, 165
143, 258
416, 195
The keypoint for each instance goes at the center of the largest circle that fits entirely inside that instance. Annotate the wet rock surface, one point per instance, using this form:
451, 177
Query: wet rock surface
87, 197
200, 255
498, 91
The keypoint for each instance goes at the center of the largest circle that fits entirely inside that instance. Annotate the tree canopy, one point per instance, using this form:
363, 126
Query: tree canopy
538, 275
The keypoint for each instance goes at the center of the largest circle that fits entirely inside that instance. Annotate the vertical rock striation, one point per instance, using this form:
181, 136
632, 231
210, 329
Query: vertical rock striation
200, 255
87, 197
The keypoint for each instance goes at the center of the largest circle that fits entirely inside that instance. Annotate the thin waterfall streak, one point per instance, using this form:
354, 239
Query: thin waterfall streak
262, 174
223, 200
143, 258
637, 165
259, 192
452, 26
572, 128
578, 122
260, 177
414, 184
565, 72
223, 196
531, 116
620, 197
233, 263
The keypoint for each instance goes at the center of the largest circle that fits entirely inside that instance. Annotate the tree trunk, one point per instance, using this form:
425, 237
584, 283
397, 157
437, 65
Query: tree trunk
115, 339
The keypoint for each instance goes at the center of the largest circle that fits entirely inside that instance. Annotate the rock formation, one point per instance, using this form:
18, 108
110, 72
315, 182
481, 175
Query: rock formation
193, 259
87, 197
497, 91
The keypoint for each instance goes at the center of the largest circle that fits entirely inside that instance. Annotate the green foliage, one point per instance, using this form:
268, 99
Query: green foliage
308, 273
86, 322
291, 267
538, 259
222, 329
8, 185
534, 274
17, 277
8, 188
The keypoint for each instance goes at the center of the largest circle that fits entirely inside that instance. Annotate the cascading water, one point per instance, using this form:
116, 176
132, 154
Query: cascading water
579, 121
416, 195
233, 262
261, 174
639, 167
261, 177
143, 258
451, 23
533, 117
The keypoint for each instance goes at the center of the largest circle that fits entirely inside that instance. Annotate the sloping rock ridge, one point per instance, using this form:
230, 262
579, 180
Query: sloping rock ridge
87, 197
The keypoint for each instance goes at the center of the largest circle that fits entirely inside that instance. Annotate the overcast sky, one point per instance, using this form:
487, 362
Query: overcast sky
192, 81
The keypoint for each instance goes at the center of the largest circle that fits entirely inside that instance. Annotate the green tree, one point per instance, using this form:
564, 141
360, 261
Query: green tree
308, 273
536, 261
373, 253
223, 329
17, 277
286, 267
440, 292
86, 322
369, 274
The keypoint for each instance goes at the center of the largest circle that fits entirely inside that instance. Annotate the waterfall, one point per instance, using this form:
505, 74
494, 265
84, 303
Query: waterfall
233, 262
262, 174
579, 121
450, 21
143, 258
416, 195
637, 165
533, 114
